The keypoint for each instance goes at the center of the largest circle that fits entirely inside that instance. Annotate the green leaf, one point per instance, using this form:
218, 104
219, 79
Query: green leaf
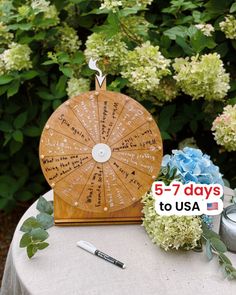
130, 10
56, 103
13, 88
5, 126
208, 250
29, 224
173, 32
199, 42
183, 44
78, 58
233, 8
218, 245
224, 259
6, 190
165, 116
165, 135
20, 120
29, 75
68, 72
45, 95
25, 240
208, 234
45, 220
31, 250
39, 234
41, 246
21, 26
15, 146
5, 79
18, 136
44, 206
32, 131
24, 195
61, 86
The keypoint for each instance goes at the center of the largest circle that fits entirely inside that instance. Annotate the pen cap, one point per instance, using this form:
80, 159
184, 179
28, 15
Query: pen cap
86, 246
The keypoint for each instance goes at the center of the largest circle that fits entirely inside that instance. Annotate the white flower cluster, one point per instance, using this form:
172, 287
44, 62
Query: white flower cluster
203, 76
144, 67
5, 35
170, 232
116, 4
68, 40
49, 11
108, 52
228, 26
77, 86
207, 29
16, 58
224, 127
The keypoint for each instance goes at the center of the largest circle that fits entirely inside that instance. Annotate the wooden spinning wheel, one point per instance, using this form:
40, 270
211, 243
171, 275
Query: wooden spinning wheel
100, 152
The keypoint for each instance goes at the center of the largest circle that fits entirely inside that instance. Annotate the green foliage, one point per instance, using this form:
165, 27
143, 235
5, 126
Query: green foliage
214, 245
54, 41
35, 228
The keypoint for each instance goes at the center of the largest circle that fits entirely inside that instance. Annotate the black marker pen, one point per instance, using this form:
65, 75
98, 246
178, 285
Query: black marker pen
92, 249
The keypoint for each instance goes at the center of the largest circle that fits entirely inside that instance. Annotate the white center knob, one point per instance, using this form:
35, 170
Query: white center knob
101, 152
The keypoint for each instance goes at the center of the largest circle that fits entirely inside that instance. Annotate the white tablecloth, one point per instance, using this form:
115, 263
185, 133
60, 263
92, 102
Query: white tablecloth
64, 269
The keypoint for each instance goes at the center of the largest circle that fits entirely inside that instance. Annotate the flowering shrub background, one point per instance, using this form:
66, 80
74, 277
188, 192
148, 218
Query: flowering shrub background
176, 57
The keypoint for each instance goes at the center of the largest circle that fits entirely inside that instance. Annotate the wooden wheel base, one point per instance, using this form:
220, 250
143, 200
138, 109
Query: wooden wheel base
76, 216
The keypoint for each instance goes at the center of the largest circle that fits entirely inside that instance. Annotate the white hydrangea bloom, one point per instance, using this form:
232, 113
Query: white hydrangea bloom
111, 4
144, 67
207, 29
228, 26
40, 5
50, 11
5, 35
170, 232
224, 128
116, 4
77, 86
17, 57
203, 76
68, 40
108, 52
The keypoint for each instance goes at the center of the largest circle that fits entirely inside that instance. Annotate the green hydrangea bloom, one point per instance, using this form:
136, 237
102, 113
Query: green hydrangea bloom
228, 26
77, 86
144, 67
224, 128
5, 36
170, 232
108, 52
2, 66
134, 27
17, 57
67, 41
49, 11
203, 76
116, 4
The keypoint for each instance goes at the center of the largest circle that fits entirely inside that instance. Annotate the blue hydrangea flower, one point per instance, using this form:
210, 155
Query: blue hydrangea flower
193, 165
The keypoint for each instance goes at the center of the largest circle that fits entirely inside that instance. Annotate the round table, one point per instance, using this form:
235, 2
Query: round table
65, 269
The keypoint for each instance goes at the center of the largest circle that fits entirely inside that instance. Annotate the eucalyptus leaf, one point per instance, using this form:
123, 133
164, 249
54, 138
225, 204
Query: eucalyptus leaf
31, 250
39, 234
29, 224
209, 250
45, 220
41, 246
25, 240
44, 206
218, 245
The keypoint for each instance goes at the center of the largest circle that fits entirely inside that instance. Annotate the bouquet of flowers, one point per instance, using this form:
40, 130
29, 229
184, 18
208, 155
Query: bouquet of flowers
186, 232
